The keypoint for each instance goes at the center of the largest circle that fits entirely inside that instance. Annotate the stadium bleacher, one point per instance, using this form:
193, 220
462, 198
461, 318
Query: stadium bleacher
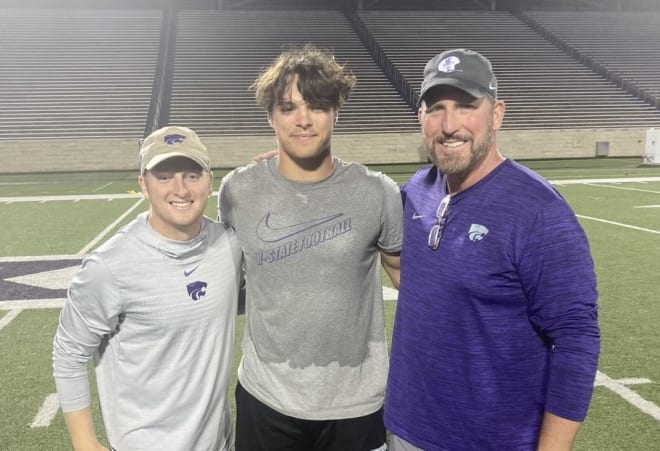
217, 60
543, 86
106, 77
76, 73
624, 44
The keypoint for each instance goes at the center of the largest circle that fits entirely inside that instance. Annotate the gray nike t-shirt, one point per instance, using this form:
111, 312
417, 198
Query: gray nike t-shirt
314, 343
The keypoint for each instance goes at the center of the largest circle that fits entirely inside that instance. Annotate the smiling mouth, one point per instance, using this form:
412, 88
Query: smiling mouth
181, 205
452, 143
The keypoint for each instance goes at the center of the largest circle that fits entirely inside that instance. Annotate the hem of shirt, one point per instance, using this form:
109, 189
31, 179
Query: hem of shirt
315, 414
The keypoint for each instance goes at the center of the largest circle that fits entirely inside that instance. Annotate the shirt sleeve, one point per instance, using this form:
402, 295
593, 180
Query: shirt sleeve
558, 277
90, 313
391, 235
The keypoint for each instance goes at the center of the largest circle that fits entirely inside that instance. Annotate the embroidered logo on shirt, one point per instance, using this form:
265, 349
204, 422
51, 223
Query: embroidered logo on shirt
477, 232
196, 290
416, 216
271, 234
187, 273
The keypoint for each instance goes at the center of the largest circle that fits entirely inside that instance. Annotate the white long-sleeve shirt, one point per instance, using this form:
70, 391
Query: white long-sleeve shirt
158, 316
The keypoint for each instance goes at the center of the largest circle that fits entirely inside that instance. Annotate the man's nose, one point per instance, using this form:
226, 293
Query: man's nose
179, 184
303, 117
450, 122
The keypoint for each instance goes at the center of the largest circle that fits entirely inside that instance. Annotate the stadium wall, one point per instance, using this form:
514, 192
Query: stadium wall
67, 155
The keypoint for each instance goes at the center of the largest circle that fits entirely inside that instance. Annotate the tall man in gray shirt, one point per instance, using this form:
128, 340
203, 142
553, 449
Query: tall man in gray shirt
313, 229
155, 305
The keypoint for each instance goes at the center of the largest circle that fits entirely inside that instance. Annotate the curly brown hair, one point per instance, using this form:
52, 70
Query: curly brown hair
322, 82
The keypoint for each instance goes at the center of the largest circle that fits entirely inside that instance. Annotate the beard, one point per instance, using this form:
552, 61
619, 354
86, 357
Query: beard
460, 163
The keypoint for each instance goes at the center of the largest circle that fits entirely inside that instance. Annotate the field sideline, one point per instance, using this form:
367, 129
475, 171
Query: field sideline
47, 230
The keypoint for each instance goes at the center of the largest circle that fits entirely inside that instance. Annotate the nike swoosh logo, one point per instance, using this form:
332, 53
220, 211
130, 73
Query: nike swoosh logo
416, 216
269, 234
187, 273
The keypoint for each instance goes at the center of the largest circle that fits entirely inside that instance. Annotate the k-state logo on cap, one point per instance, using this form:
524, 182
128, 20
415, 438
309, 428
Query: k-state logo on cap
449, 64
174, 139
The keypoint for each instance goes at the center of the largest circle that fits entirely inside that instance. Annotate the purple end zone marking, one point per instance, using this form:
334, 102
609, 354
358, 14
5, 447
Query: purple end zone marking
11, 291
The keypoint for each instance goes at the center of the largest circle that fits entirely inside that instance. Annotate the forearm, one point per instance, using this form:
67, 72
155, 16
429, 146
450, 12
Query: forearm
81, 430
557, 433
392, 265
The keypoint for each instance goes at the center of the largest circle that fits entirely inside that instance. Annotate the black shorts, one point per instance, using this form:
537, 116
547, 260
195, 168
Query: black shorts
260, 428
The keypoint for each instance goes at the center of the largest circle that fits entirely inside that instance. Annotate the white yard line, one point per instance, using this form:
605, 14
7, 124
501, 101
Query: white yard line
390, 294
617, 180
633, 381
47, 412
102, 186
633, 398
9, 316
108, 229
22, 304
74, 197
624, 188
620, 224
78, 197
70, 197
35, 258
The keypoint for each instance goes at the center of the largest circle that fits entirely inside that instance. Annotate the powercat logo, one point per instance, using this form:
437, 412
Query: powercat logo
174, 139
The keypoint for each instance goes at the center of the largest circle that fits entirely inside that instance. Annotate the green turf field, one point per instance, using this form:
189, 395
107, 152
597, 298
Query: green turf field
53, 218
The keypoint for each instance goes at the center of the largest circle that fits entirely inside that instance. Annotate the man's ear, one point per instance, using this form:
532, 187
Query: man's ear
270, 121
143, 186
498, 114
211, 184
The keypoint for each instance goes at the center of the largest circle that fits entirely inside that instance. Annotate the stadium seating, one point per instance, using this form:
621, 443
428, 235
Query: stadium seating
543, 86
76, 73
220, 53
101, 78
423, 5
624, 44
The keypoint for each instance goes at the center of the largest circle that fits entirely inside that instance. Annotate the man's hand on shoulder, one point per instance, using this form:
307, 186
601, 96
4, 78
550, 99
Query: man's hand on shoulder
266, 155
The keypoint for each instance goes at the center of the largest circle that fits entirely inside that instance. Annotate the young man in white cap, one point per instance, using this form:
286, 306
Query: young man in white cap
496, 340
155, 305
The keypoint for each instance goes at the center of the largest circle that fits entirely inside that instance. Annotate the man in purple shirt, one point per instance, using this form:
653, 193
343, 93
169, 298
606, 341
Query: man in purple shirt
496, 338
